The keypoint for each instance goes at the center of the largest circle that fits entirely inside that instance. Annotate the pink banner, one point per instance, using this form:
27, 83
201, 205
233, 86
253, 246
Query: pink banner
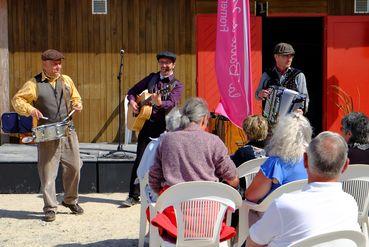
232, 60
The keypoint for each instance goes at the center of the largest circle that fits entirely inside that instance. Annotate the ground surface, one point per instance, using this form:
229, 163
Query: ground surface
102, 224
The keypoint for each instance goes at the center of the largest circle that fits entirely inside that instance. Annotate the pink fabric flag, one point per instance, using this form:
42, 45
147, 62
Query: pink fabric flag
232, 60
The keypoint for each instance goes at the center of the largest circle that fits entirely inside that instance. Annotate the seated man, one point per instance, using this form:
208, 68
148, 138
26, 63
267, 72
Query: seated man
320, 207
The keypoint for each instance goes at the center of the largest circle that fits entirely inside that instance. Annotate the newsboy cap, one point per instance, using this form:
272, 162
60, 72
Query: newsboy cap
52, 54
166, 54
284, 49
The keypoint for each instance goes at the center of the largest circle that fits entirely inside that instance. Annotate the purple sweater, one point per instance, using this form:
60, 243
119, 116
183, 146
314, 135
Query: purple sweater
167, 103
190, 155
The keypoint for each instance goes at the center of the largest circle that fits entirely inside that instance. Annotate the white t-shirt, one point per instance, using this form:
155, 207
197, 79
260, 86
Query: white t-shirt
318, 208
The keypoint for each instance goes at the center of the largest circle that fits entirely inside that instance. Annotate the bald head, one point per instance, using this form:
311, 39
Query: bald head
327, 154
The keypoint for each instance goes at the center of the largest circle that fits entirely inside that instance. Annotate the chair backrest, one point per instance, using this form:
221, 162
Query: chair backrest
355, 181
127, 132
290, 187
249, 169
324, 239
199, 207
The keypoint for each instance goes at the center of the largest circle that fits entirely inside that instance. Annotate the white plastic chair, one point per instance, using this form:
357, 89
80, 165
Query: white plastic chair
333, 239
243, 229
127, 132
144, 205
355, 181
249, 169
214, 198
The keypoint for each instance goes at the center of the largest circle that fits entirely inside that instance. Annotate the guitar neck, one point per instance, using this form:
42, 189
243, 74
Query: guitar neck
148, 100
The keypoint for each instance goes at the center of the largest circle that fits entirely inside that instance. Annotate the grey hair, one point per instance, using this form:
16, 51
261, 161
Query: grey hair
327, 153
193, 110
358, 124
290, 138
172, 119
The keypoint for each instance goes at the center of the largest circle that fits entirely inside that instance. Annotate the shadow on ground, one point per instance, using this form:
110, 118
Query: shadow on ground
109, 242
85, 199
21, 215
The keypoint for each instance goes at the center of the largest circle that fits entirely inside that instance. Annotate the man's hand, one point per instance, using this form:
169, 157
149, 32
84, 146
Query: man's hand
156, 99
36, 114
134, 105
263, 94
78, 107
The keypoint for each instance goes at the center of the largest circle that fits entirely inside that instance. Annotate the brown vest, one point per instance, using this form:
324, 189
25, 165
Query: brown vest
50, 101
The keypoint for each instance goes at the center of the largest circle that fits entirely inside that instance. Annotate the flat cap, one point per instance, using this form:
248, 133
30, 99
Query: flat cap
166, 54
52, 54
284, 49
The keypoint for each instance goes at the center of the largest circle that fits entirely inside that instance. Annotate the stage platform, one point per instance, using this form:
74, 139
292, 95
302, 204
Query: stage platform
101, 172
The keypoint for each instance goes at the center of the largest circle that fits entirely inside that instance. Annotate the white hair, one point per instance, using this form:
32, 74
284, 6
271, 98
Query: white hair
290, 138
193, 110
173, 119
327, 153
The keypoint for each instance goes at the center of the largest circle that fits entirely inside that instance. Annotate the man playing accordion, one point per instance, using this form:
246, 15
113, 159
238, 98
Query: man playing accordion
281, 77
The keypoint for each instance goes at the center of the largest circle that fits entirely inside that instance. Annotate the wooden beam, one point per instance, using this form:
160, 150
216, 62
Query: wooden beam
4, 61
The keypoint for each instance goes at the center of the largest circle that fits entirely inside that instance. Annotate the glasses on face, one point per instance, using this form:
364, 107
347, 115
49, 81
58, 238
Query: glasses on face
164, 62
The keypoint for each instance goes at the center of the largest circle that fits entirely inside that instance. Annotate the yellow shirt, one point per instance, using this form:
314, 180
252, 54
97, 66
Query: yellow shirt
24, 98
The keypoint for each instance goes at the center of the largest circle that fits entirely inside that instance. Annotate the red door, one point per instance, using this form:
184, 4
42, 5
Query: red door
207, 86
347, 83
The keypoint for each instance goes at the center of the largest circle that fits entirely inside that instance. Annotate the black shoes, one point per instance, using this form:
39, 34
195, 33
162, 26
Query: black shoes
49, 216
130, 201
75, 208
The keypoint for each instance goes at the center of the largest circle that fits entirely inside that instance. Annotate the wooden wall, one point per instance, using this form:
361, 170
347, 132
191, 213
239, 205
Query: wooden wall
91, 44
277, 7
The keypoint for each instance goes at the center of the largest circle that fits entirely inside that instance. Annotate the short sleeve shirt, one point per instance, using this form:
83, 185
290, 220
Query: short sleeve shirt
320, 207
275, 168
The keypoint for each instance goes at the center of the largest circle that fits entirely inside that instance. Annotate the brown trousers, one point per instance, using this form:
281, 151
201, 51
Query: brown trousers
50, 154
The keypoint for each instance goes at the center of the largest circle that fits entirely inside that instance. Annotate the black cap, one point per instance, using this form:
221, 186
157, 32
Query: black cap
166, 54
284, 49
52, 54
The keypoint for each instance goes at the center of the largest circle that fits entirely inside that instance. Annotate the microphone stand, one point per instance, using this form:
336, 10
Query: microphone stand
119, 77
120, 146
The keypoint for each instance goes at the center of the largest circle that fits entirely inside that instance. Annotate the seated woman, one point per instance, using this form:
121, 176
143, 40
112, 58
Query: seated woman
355, 128
255, 128
291, 136
190, 154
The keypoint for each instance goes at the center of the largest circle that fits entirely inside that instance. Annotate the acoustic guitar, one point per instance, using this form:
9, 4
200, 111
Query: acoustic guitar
135, 121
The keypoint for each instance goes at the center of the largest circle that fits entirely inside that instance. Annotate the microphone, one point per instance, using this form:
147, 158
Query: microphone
121, 52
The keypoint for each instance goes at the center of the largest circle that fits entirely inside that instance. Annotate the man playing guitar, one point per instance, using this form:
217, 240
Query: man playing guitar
161, 104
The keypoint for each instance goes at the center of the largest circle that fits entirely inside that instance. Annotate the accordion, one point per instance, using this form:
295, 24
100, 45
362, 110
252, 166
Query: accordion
282, 101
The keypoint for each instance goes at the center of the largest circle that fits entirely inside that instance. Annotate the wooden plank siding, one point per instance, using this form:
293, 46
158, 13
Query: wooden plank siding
4, 63
91, 45
331, 7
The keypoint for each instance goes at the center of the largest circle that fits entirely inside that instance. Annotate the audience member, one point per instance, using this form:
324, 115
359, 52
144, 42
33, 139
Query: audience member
172, 121
191, 153
285, 149
320, 207
255, 128
355, 128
